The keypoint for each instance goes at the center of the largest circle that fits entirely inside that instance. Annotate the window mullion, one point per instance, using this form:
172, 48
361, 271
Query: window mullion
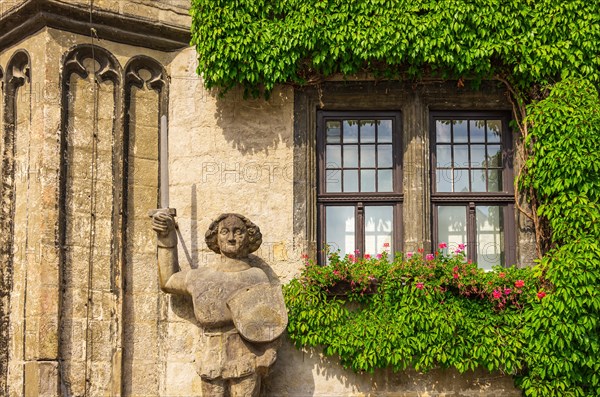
360, 227
471, 233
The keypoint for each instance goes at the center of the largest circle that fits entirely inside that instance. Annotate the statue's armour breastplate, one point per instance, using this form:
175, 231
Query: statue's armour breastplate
211, 289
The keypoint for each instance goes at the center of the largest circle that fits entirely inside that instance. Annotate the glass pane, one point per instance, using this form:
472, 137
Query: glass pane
385, 182
367, 180
384, 156
367, 155
494, 130
461, 156
490, 236
444, 156
443, 180
460, 131
384, 131
478, 181
367, 131
350, 131
333, 132
477, 130
333, 181
379, 225
333, 156
442, 131
477, 155
461, 181
351, 156
452, 226
494, 156
351, 181
495, 181
339, 229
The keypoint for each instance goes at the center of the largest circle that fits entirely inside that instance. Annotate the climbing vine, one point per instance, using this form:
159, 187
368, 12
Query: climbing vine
545, 330
261, 43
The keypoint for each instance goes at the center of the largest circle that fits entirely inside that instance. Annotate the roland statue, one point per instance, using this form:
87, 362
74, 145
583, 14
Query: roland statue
237, 301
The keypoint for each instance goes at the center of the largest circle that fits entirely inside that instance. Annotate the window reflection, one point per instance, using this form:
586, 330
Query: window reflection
490, 236
379, 222
339, 226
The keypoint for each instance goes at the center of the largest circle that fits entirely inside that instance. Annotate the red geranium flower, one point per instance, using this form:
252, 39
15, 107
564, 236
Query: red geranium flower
519, 284
541, 294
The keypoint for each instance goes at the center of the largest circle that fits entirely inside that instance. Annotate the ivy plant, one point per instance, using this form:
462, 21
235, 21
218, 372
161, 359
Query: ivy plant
261, 43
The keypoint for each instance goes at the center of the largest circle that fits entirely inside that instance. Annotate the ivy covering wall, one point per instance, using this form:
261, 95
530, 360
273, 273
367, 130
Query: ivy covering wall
547, 53
260, 43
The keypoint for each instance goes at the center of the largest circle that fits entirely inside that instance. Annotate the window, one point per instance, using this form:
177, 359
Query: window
359, 189
472, 192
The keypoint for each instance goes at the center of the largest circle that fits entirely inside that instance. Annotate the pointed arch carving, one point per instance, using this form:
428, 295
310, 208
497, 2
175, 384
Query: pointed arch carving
90, 224
18, 73
146, 103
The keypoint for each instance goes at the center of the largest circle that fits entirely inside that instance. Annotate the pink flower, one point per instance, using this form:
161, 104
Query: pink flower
496, 294
507, 291
455, 269
386, 245
419, 285
429, 257
461, 246
336, 272
541, 294
409, 255
455, 275
379, 256
351, 258
367, 256
501, 275
442, 245
519, 283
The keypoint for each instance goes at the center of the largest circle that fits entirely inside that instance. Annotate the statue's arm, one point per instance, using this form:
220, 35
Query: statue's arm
171, 279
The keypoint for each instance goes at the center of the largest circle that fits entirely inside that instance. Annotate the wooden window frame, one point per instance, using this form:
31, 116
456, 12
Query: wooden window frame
359, 199
470, 200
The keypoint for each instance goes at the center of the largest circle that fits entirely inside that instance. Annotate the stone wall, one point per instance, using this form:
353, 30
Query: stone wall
80, 306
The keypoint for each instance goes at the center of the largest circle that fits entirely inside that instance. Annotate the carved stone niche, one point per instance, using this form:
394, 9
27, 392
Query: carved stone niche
90, 199
17, 74
156, 81
108, 66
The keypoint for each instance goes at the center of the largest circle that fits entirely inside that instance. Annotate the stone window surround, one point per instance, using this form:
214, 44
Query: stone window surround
415, 101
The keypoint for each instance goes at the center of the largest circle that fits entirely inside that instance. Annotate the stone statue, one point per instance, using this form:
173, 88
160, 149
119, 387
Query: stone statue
237, 301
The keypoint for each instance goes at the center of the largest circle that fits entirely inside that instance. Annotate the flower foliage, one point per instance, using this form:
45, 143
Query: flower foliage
260, 43
422, 313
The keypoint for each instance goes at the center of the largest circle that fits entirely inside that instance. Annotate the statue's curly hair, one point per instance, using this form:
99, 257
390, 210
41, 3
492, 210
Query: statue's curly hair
254, 235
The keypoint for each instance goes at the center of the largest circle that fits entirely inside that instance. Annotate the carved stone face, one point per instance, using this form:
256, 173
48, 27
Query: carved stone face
233, 237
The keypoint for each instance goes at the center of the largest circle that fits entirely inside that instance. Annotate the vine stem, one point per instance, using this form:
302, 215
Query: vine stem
519, 110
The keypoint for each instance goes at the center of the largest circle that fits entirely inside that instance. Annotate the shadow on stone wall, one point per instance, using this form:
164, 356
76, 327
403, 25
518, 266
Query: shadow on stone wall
253, 126
301, 373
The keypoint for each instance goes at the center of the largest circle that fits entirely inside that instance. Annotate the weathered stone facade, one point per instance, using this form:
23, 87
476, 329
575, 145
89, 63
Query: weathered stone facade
81, 311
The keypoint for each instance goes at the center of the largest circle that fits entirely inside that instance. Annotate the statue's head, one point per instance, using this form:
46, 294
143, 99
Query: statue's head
233, 235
